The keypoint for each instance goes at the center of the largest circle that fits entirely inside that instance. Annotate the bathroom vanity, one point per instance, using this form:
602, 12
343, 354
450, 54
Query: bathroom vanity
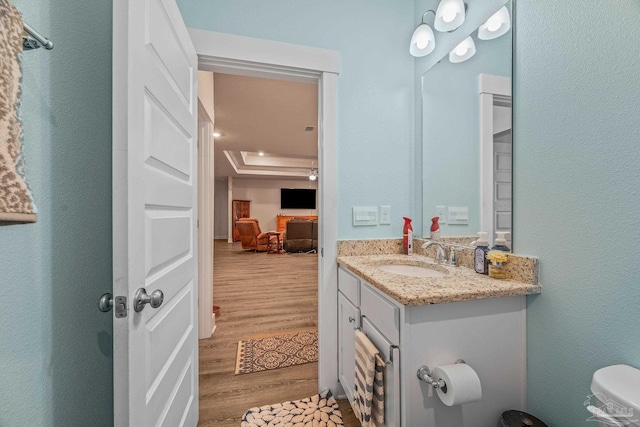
434, 321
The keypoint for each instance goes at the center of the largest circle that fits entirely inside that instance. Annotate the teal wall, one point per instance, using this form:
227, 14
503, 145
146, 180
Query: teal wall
376, 92
577, 193
55, 347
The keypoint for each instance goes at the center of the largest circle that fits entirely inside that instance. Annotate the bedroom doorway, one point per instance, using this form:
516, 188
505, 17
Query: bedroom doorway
324, 285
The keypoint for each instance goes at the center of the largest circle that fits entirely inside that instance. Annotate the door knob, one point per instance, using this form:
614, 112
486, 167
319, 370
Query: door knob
106, 302
141, 299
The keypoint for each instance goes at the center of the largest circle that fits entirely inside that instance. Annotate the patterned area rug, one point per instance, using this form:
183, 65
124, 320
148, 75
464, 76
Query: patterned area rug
275, 351
319, 410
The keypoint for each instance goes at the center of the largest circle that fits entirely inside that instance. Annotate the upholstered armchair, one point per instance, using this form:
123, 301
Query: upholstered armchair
299, 235
251, 237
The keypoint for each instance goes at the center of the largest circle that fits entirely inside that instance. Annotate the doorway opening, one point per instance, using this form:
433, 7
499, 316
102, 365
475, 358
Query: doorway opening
265, 277
240, 56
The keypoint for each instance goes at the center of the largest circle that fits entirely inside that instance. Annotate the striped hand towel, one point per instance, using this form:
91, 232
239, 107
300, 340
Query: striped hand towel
368, 397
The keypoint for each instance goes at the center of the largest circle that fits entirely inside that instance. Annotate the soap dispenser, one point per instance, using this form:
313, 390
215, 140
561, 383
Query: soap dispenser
501, 242
480, 253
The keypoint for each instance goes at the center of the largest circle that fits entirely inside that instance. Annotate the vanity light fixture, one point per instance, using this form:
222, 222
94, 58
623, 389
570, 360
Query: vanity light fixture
463, 51
449, 15
423, 41
313, 174
497, 25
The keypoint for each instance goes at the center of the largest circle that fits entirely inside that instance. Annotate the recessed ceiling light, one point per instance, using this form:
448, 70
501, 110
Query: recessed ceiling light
216, 134
260, 153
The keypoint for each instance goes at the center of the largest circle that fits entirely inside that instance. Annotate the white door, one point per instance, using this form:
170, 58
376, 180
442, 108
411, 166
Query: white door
502, 165
154, 218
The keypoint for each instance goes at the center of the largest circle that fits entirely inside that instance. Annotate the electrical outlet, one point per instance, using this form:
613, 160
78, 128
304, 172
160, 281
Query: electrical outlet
385, 215
440, 211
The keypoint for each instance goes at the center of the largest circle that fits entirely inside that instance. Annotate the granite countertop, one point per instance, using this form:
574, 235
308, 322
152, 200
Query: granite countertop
460, 284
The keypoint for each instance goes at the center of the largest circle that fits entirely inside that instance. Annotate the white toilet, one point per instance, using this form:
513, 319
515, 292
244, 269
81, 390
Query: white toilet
616, 397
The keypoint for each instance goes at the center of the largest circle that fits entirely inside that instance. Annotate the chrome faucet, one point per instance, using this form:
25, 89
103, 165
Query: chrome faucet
440, 251
453, 262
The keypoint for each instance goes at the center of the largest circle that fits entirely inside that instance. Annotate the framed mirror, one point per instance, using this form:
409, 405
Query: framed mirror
467, 133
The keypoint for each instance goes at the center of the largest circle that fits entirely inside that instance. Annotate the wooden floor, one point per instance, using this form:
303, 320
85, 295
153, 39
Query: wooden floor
257, 293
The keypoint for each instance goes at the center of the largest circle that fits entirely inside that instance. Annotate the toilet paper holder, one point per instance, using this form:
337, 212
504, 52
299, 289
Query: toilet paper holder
424, 374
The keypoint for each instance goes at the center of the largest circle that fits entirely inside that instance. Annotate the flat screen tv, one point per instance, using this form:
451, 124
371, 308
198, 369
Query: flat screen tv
297, 198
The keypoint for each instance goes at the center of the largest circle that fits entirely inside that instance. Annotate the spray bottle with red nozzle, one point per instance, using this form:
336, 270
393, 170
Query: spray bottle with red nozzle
407, 237
435, 228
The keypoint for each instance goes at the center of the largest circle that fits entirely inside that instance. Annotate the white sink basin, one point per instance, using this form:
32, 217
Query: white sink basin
411, 270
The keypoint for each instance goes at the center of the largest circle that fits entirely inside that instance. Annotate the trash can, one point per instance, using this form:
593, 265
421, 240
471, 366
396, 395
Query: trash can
519, 419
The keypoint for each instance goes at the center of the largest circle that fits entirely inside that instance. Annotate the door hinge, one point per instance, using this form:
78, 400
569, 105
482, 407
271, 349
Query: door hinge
120, 307
322, 252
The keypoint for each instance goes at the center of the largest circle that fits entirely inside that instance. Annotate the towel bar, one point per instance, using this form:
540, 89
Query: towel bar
391, 347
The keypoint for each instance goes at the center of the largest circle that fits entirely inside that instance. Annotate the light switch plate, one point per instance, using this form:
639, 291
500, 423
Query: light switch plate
365, 215
440, 213
458, 215
385, 215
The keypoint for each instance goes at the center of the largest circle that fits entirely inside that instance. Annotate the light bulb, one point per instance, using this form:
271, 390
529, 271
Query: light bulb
422, 41
449, 15
497, 25
216, 134
494, 23
461, 49
261, 153
465, 50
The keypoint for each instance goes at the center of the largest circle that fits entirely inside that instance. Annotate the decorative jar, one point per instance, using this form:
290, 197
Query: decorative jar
497, 270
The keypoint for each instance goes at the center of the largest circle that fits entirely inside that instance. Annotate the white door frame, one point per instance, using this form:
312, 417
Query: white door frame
206, 184
488, 86
247, 56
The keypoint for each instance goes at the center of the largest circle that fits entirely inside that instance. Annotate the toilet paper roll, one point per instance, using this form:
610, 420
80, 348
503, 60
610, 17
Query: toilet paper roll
463, 384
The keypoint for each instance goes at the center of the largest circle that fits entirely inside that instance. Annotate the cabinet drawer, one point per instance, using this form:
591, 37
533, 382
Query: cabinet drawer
381, 313
349, 285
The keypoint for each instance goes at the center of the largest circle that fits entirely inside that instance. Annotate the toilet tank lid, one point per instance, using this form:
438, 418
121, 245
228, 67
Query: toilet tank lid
619, 384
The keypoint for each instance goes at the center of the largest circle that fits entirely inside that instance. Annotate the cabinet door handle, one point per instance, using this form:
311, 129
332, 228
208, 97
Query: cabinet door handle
351, 319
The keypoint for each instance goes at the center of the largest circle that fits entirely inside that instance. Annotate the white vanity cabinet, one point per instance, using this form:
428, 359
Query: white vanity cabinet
348, 322
379, 320
489, 334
